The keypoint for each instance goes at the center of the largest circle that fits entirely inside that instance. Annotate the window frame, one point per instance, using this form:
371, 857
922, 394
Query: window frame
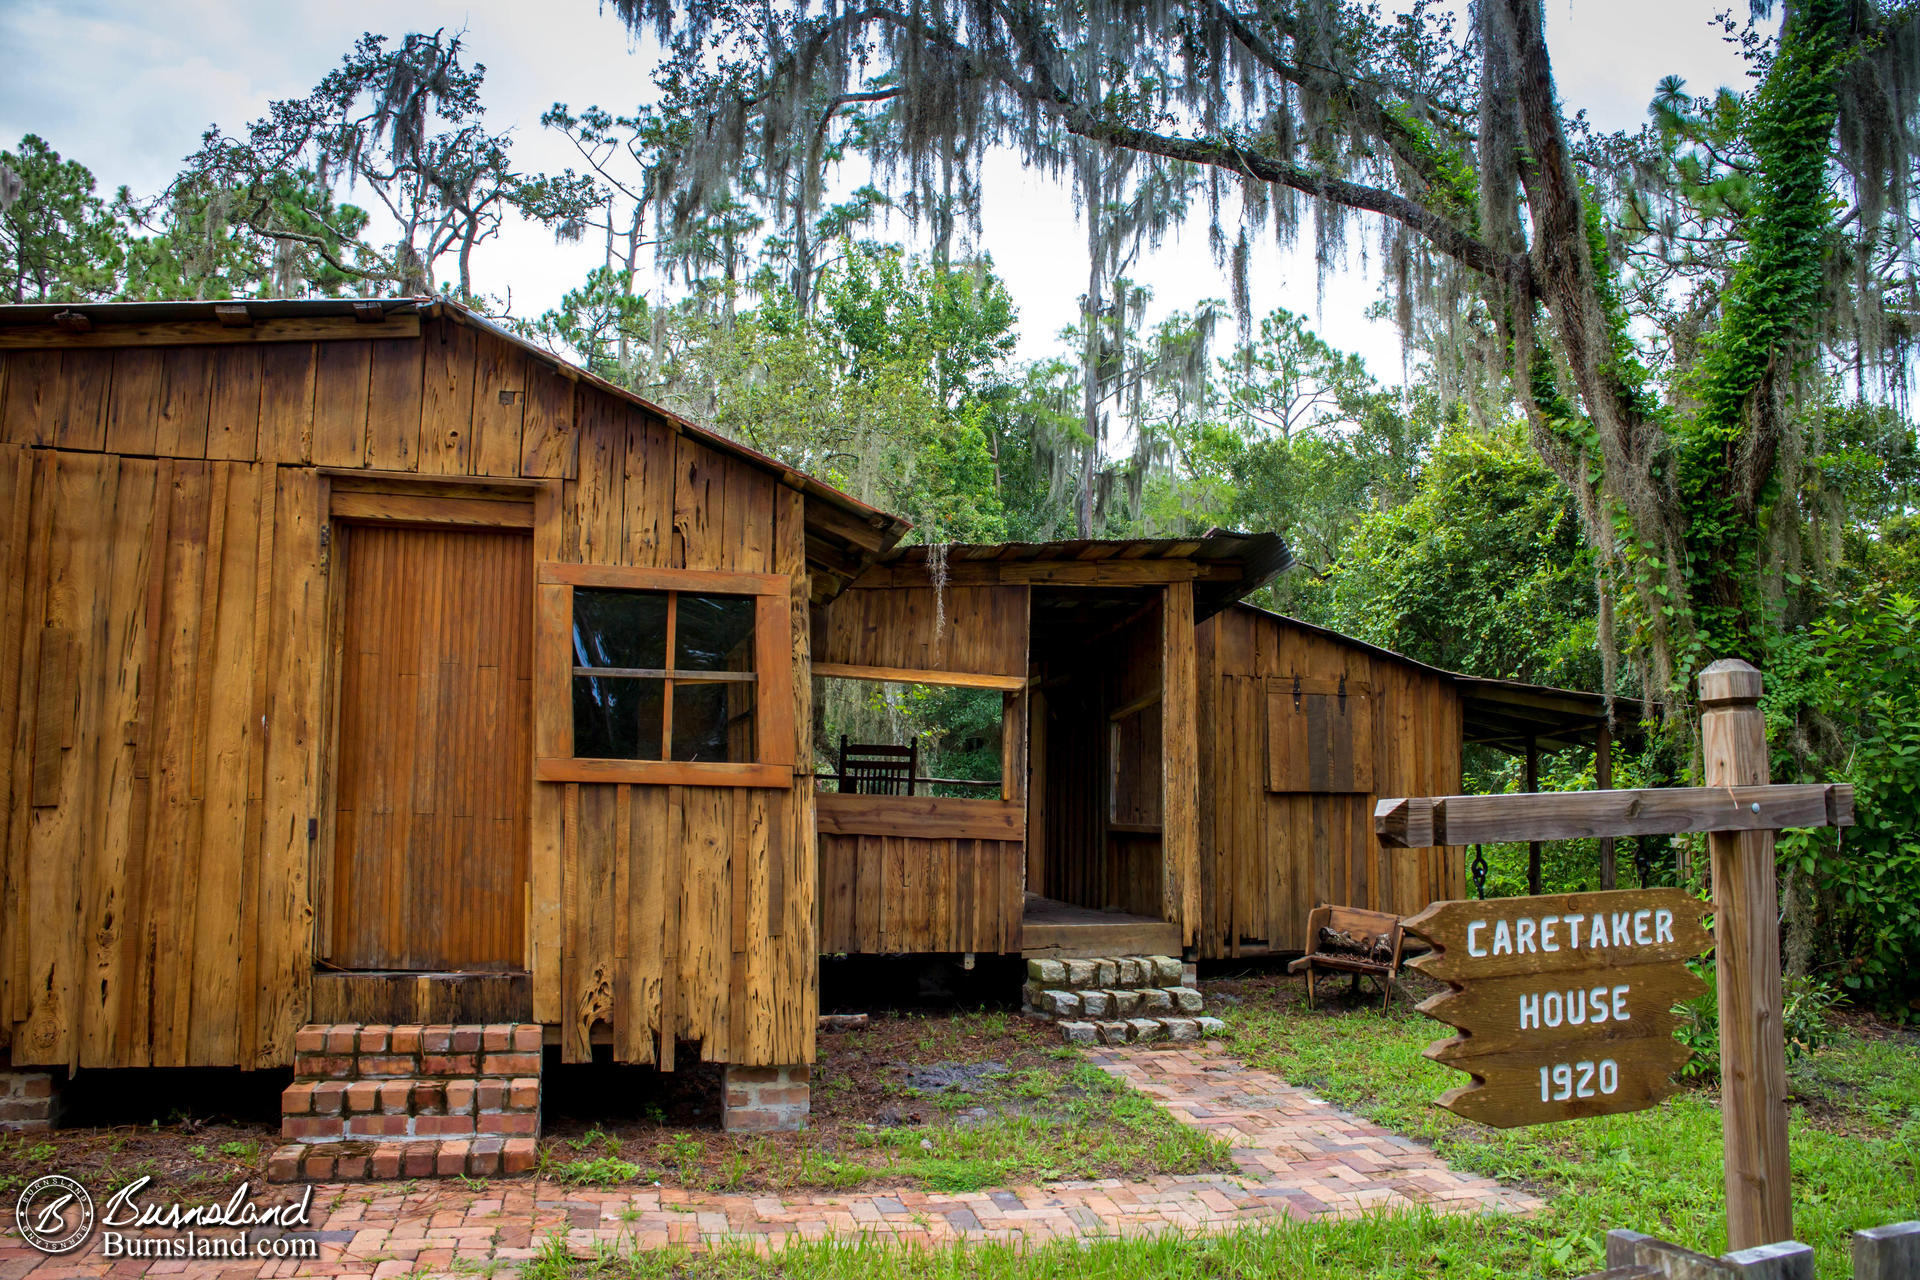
554, 760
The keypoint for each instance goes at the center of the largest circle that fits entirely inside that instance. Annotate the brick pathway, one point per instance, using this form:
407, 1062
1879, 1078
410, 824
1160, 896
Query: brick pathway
1299, 1158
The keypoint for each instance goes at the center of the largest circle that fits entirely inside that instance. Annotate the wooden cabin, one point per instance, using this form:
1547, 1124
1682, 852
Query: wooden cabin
1182, 773
360, 662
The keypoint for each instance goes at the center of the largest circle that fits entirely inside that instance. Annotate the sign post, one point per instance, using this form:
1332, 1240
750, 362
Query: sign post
1564, 1001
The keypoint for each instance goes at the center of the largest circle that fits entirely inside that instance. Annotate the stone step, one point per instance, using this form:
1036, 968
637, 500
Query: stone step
1120, 1002
1108, 972
1139, 1030
379, 1161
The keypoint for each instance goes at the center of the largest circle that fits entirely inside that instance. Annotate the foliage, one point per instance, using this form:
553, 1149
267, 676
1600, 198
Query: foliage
58, 240
1483, 570
400, 124
1853, 678
1803, 1021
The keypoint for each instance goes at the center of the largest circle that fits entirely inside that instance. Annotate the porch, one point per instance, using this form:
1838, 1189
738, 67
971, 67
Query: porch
1055, 930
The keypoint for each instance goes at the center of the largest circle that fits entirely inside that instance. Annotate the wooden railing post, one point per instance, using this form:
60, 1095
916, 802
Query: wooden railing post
1753, 1068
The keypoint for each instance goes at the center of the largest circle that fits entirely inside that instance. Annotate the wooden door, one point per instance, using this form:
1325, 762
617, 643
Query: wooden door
433, 756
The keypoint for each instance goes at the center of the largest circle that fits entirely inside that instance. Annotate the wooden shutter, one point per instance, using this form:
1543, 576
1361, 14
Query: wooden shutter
1319, 735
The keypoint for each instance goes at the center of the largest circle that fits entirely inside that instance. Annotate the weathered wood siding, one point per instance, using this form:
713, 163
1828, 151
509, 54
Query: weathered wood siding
888, 894
1268, 857
163, 676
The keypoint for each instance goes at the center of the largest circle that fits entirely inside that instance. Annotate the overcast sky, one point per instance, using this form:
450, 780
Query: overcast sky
127, 89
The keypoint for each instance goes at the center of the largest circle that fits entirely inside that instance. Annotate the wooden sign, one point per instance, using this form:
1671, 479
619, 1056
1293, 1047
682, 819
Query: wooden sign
1564, 1002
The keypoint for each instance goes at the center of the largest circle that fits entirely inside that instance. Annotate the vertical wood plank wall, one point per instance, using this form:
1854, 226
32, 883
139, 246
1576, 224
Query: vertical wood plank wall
902, 894
163, 577
1267, 858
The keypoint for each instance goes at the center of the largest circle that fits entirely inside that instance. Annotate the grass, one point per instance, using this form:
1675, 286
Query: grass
1855, 1141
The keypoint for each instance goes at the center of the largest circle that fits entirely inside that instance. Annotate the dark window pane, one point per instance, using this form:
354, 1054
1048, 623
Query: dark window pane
713, 722
617, 718
619, 629
714, 633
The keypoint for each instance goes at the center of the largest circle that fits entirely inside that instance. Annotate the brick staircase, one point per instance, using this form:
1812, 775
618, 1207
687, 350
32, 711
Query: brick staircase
377, 1101
1117, 1000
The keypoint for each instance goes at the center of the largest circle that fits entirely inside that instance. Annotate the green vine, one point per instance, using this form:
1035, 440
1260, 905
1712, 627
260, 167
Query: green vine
1766, 313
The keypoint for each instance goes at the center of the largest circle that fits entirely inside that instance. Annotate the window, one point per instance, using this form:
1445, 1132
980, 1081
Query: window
668, 676
1320, 735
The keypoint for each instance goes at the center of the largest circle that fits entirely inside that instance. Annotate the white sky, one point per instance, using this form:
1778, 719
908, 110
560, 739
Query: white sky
127, 87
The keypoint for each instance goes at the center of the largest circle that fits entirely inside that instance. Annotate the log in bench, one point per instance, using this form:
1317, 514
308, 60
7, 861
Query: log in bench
1350, 940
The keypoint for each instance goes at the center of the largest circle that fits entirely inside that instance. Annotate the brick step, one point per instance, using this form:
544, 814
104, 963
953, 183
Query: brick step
1119, 1002
360, 1051
1140, 1030
380, 1161
399, 1110
1108, 973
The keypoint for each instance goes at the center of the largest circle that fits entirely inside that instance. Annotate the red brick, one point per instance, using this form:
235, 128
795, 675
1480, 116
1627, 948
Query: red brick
442, 1126
452, 1159
753, 1075
791, 1095
372, 1126
497, 1037
296, 1100
363, 1095
329, 1097
459, 1096
518, 1155
386, 1065
437, 1038
386, 1160
483, 1161
350, 1168
373, 1040
316, 1167
418, 1159
490, 1095
395, 1096
311, 1038
466, 1039
406, 1040
341, 1037
525, 1093
303, 1128
510, 1064
34, 1084
284, 1164
509, 1122
323, 1067
429, 1097
459, 1064
740, 1095
527, 1037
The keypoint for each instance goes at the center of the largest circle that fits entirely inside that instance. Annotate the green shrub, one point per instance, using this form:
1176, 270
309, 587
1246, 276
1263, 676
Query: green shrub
1803, 1021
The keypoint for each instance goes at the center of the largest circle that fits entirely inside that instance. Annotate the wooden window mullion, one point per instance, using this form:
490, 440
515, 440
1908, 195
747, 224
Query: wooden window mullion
666, 698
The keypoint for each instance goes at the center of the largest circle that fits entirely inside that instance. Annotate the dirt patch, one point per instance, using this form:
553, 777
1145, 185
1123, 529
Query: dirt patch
190, 1161
944, 1100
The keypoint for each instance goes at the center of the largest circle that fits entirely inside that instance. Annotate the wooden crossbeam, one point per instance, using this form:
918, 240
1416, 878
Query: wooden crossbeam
1421, 822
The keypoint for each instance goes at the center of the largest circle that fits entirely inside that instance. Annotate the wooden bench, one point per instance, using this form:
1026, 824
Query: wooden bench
1350, 940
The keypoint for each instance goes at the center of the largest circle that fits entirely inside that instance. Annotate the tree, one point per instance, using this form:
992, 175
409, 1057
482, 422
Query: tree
400, 124
1493, 225
59, 242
